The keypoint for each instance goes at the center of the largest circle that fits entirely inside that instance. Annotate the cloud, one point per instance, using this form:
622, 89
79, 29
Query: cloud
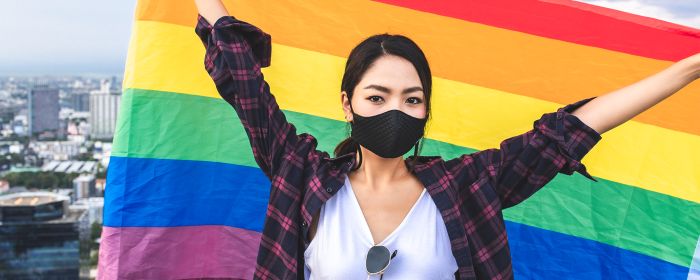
681, 12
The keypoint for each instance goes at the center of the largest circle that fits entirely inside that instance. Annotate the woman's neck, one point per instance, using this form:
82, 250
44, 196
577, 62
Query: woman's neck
379, 173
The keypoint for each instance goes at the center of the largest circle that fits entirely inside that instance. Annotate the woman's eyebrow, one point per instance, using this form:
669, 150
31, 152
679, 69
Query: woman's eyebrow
386, 90
412, 89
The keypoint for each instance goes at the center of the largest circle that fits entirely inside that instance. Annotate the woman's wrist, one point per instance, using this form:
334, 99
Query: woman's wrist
687, 69
211, 10
693, 64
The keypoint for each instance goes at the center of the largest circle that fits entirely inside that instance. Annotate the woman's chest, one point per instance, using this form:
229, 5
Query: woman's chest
383, 213
343, 240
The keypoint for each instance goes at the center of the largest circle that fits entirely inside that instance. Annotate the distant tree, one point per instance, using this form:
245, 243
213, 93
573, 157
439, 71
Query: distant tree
84, 157
101, 172
11, 159
14, 137
95, 233
41, 180
47, 180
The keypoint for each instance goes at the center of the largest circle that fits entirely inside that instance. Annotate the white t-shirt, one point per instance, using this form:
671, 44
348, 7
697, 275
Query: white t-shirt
342, 239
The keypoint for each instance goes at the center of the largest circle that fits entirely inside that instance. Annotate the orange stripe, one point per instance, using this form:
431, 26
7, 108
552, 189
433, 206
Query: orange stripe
538, 67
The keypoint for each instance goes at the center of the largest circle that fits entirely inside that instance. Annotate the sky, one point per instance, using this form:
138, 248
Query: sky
684, 12
64, 37
92, 36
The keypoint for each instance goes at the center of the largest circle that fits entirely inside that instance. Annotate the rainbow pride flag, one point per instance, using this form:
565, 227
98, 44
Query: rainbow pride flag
185, 199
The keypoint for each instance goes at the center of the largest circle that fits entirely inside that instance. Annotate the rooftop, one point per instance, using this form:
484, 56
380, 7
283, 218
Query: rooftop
30, 198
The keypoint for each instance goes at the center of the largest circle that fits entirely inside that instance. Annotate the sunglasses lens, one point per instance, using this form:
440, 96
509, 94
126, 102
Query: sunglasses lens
377, 259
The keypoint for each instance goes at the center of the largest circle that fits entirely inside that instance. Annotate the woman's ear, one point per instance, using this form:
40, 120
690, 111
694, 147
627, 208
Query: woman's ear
345, 101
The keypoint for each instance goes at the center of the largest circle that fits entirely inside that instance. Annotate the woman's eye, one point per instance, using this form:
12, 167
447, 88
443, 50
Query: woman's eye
374, 98
415, 100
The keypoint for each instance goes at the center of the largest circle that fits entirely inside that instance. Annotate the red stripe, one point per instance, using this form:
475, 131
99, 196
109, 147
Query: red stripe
574, 22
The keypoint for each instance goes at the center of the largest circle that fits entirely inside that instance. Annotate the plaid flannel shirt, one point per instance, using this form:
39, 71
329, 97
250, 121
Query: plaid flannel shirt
470, 191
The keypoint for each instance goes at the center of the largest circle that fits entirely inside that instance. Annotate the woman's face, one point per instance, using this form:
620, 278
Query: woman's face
390, 83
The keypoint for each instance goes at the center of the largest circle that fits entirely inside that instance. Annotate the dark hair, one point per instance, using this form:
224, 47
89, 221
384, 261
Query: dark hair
359, 61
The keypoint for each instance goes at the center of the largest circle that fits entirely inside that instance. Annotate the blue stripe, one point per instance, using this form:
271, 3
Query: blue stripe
166, 193
543, 254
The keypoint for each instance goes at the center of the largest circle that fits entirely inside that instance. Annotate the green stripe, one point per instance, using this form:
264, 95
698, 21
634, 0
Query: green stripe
164, 125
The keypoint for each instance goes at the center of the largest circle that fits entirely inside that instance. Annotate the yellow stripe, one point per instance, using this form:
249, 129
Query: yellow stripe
169, 57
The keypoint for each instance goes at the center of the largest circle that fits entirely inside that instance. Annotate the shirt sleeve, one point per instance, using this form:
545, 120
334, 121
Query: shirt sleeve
525, 163
235, 53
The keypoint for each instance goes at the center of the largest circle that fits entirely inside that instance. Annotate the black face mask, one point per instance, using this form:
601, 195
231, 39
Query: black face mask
390, 134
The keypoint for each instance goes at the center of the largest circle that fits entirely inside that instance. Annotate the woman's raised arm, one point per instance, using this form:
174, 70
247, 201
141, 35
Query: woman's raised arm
211, 10
614, 108
236, 51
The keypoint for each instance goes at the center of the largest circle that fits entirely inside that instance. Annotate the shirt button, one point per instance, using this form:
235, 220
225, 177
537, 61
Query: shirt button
303, 224
329, 190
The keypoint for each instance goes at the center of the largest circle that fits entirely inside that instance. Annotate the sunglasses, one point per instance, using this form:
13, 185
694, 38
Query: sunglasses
378, 259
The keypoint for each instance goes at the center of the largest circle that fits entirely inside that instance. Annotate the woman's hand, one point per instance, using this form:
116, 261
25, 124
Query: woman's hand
211, 10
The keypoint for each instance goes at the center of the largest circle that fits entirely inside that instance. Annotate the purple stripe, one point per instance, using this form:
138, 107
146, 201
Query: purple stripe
177, 252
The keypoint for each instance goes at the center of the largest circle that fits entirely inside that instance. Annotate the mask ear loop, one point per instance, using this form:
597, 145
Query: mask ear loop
415, 149
358, 149
415, 155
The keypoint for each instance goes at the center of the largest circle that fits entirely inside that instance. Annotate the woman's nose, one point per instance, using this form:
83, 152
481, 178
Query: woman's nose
395, 105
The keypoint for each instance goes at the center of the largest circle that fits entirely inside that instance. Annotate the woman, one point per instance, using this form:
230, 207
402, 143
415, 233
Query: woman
370, 213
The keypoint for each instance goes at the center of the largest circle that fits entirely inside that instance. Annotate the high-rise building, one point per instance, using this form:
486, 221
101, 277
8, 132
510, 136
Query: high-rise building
39, 236
84, 186
104, 107
94, 207
80, 101
115, 83
43, 111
